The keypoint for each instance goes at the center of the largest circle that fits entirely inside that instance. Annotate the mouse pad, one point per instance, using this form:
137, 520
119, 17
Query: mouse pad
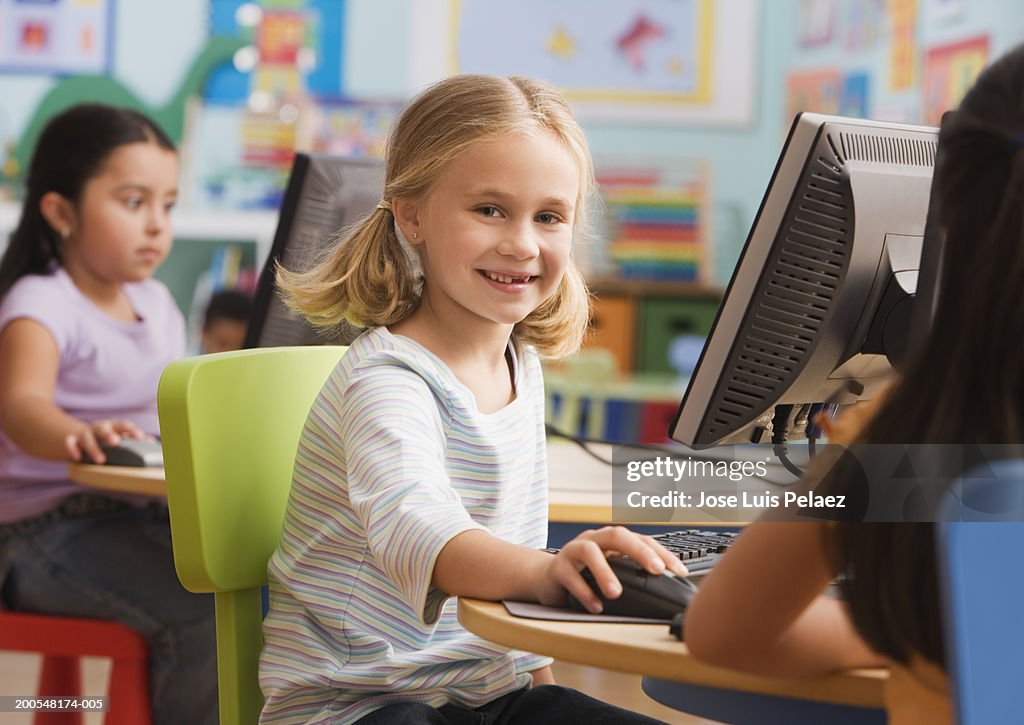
530, 610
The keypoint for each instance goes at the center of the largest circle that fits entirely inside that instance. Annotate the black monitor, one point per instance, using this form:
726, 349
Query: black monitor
325, 194
819, 306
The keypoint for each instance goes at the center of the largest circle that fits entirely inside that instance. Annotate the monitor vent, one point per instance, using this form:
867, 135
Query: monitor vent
794, 297
887, 149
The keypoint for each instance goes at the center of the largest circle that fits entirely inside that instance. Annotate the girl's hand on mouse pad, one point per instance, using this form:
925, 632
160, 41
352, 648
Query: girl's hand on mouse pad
590, 550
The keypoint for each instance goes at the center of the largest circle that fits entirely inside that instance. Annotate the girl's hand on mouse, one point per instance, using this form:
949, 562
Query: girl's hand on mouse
591, 550
90, 436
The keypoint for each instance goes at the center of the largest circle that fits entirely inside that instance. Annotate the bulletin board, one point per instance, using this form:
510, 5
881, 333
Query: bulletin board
632, 60
56, 36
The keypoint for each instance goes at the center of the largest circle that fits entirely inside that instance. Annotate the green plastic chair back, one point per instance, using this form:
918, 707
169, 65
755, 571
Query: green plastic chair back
230, 426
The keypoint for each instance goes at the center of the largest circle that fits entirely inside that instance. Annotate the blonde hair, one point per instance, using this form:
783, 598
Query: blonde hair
367, 278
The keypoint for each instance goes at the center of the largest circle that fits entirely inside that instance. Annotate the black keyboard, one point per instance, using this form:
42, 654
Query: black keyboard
698, 549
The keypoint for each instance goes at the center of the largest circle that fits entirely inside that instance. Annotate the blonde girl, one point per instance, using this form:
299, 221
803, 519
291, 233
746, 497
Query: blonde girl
421, 473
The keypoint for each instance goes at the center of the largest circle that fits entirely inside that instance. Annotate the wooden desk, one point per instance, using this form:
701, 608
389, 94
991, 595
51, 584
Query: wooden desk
650, 650
580, 490
122, 479
580, 486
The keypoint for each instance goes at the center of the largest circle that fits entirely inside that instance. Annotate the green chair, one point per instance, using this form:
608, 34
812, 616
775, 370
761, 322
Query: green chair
230, 425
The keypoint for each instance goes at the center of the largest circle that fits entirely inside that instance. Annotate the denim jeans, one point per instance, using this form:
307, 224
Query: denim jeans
98, 558
544, 705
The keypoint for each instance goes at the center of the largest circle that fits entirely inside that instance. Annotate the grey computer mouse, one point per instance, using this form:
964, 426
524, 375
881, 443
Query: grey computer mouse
653, 596
134, 452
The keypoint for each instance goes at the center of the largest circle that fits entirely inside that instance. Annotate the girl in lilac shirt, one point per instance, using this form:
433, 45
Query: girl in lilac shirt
84, 335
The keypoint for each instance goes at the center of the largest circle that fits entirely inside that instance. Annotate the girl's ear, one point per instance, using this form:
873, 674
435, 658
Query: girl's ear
407, 215
58, 213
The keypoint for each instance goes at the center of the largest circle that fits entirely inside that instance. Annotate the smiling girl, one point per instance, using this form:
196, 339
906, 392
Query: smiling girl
421, 473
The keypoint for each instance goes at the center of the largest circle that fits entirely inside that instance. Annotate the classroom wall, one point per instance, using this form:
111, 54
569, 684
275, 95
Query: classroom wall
155, 43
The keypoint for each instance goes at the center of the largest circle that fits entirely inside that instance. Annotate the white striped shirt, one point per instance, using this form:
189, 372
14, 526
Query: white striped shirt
395, 460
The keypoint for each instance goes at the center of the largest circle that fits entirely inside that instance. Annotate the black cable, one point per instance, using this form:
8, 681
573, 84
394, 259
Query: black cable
780, 434
783, 455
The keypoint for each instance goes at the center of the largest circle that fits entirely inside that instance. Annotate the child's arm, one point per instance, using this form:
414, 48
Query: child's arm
761, 608
29, 363
477, 564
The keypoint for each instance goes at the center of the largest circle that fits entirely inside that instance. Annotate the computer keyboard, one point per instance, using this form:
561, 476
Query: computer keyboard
698, 549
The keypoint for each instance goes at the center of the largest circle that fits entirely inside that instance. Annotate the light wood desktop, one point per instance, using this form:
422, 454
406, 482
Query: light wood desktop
580, 486
120, 479
650, 650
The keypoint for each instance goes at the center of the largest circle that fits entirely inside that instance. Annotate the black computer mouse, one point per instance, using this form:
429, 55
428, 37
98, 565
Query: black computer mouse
653, 596
134, 452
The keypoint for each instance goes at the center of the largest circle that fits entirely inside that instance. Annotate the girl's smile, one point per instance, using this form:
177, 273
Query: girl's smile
509, 281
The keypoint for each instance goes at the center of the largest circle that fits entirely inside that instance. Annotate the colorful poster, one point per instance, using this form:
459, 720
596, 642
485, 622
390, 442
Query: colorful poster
56, 36
622, 51
816, 91
827, 91
853, 100
948, 72
296, 46
632, 60
903, 19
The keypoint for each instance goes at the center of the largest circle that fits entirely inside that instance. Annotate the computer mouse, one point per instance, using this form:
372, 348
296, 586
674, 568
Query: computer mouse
137, 452
653, 596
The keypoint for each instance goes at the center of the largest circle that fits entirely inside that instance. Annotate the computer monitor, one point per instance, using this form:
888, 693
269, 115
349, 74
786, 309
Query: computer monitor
819, 305
325, 194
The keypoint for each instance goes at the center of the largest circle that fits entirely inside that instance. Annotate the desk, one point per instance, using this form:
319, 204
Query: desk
580, 489
121, 479
580, 486
650, 650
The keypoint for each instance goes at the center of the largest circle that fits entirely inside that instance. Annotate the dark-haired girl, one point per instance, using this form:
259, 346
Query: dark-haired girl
84, 335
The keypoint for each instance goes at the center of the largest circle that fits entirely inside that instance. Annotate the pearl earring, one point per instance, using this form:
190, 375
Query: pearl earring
415, 234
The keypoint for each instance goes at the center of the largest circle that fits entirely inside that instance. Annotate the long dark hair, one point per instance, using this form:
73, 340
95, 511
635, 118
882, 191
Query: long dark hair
966, 384
71, 149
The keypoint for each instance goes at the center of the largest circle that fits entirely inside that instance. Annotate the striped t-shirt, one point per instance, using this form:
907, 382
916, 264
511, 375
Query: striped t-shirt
394, 461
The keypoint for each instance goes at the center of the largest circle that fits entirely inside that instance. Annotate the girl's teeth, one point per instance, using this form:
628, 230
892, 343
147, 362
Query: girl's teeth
504, 278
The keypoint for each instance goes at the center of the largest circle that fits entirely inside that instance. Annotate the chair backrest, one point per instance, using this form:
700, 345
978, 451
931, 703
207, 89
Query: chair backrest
230, 426
980, 538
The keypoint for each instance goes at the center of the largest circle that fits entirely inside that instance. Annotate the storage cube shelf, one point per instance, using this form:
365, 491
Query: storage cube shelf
651, 327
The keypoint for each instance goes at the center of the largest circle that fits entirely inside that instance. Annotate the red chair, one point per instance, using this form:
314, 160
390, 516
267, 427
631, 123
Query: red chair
61, 641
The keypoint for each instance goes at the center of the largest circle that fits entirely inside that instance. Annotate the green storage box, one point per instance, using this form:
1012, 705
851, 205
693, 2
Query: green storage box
665, 322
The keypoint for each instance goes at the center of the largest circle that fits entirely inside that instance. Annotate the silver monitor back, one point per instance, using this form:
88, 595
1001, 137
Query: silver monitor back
819, 303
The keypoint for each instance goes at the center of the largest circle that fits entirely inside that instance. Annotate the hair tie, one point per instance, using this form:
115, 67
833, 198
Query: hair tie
384, 204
